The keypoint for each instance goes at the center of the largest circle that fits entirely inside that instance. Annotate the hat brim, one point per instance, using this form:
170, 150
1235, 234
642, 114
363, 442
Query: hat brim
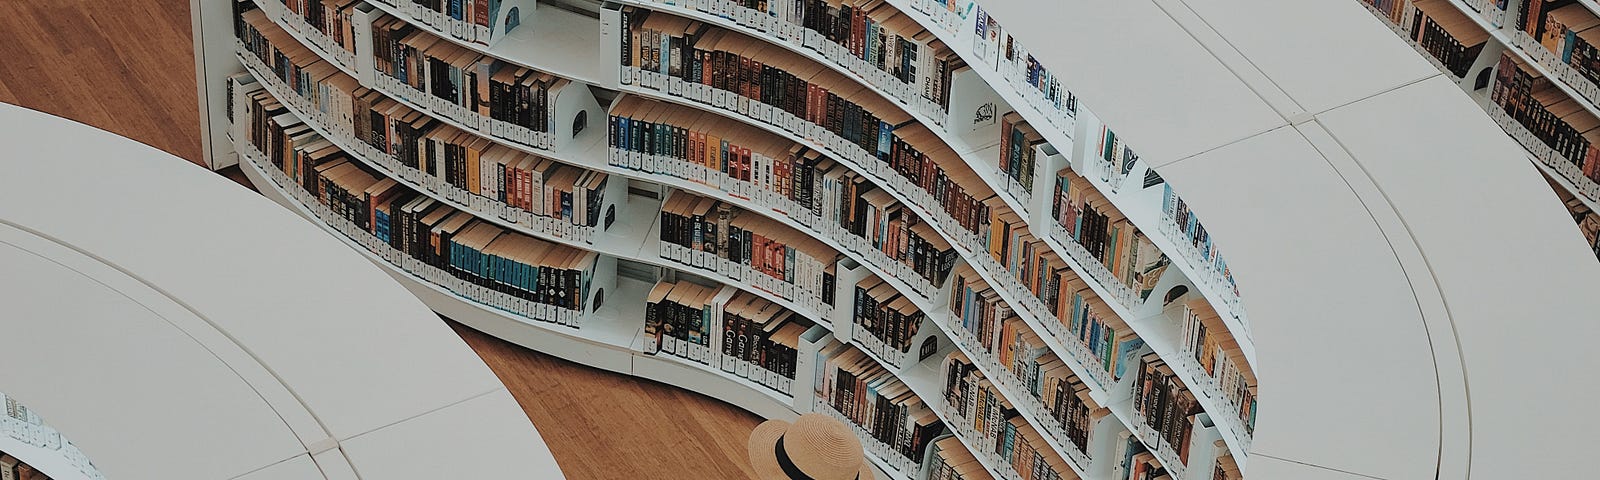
764, 457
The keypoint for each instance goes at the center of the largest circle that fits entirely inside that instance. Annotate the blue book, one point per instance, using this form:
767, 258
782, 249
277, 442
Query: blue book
884, 139
566, 204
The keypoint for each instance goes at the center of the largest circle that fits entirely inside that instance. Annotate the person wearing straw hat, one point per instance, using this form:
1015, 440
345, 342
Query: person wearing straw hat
814, 447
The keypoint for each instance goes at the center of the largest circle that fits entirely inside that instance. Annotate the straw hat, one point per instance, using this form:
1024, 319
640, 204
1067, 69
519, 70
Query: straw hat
814, 447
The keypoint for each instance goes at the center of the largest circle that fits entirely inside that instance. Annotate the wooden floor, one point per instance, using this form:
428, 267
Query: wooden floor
128, 67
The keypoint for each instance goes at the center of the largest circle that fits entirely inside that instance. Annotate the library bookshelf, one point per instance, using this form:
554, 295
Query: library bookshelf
1071, 285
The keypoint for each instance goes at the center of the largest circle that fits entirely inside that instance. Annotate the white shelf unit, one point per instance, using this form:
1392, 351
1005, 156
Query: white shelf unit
615, 334
1064, 136
586, 150
1506, 38
610, 343
633, 236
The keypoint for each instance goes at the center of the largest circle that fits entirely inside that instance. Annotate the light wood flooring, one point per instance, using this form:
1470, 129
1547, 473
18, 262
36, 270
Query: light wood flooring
127, 66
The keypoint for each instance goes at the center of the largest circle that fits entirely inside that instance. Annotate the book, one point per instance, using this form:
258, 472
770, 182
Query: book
8, 467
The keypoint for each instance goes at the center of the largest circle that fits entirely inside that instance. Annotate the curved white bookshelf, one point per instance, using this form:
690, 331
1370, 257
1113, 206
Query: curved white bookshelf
615, 335
611, 342
612, 348
633, 236
1012, 292
1075, 138
1141, 214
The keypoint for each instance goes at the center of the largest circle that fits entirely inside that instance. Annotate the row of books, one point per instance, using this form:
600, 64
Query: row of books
890, 319
326, 90
781, 88
1089, 219
712, 235
13, 469
997, 335
1221, 366
952, 461
1566, 28
328, 24
897, 425
1441, 29
1166, 411
472, 249
1114, 161
444, 158
1181, 224
475, 21
1551, 116
1019, 152
995, 49
993, 420
660, 138
505, 100
725, 328
870, 38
